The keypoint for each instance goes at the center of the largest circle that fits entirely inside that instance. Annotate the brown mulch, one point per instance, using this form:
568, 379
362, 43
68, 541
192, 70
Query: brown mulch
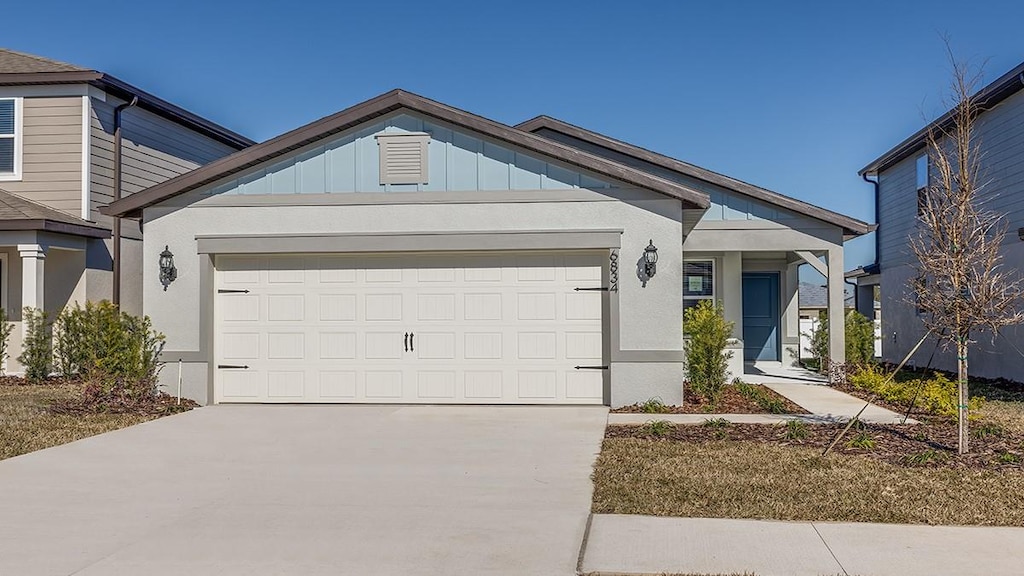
928, 444
731, 402
160, 405
8, 380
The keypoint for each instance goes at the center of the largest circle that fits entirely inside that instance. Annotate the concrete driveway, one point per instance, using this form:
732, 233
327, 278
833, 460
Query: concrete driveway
309, 490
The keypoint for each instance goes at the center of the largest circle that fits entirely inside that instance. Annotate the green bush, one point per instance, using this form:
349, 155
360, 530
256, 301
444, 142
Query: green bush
707, 360
767, 401
936, 395
117, 353
6, 328
658, 428
36, 349
796, 430
860, 339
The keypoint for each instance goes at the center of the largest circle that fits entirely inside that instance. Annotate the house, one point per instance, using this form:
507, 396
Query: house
403, 250
66, 134
898, 176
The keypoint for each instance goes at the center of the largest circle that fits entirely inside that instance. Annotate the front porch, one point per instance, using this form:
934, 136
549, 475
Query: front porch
758, 290
44, 261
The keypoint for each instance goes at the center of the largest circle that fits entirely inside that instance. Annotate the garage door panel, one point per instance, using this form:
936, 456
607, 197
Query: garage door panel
488, 328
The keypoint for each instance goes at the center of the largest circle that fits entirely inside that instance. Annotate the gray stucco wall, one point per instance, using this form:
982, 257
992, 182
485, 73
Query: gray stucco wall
1001, 132
650, 319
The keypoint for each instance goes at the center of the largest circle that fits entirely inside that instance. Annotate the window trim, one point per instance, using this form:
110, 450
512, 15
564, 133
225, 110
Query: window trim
714, 280
18, 137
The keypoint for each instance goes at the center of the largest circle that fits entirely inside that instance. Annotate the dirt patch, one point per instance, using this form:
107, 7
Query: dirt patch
731, 402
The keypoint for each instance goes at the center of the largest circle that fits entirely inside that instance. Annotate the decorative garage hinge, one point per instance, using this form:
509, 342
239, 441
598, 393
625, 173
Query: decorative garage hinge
223, 291
231, 366
601, 289
591, 367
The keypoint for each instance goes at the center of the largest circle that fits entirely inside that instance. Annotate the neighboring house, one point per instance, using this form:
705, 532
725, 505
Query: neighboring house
900, 174
58, 155
406, 251
814, 301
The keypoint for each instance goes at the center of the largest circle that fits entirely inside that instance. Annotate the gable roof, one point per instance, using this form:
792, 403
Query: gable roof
384, 104
987, 98
17, 213
20, 69
850, 226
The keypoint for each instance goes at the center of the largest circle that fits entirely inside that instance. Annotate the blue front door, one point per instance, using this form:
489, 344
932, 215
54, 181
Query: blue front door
761, 316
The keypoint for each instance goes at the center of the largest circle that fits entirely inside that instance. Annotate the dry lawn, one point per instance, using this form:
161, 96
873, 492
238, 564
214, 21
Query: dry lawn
744, 479
26, 425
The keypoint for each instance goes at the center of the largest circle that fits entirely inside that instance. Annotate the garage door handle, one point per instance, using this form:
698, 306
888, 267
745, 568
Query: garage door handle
411, 341
406, 341
230, 366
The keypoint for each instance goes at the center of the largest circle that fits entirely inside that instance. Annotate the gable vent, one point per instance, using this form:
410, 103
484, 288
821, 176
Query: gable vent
403, 157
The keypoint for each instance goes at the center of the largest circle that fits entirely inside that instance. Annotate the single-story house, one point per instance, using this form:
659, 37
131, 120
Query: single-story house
406, 251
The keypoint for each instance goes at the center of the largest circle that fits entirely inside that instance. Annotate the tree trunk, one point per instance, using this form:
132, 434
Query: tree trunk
962, 395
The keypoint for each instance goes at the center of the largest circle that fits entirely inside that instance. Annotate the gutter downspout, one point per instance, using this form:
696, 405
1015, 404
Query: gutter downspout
877, 213
116, 294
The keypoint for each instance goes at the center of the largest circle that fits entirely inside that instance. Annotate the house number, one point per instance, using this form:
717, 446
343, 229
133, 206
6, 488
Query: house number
613, 271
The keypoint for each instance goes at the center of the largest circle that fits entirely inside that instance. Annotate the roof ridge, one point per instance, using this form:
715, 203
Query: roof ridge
695, 171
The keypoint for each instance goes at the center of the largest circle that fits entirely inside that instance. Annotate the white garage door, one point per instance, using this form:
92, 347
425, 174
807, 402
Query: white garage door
487, 329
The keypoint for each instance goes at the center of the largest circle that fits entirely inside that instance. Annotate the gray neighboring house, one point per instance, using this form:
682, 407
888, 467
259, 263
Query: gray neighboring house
406, 251
57, 167
900, 174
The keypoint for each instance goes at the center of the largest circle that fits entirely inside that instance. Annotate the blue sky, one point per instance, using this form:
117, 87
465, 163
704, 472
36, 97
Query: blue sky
792, 96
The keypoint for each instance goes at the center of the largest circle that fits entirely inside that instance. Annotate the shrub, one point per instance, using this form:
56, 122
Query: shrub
925, 457
654, 406
6, 328
860, 339
36, 349
862, 441
796, 430
936, 395
658, 427
986, 429
707, 360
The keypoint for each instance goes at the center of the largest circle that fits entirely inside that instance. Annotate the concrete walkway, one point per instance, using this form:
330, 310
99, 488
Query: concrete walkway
826, 406
317, 490
642, 545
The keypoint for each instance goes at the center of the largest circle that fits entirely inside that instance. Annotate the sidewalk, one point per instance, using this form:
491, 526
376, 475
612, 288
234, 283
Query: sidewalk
825, 404
641, 545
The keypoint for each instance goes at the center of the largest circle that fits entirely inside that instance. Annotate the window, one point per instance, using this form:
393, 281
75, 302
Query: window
922, 183
10, 138
698, 282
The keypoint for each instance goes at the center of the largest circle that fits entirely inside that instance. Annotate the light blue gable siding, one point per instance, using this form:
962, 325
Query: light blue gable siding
725, 206
457, 161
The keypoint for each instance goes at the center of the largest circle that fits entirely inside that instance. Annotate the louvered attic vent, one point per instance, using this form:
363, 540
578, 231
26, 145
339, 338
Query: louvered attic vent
403, 157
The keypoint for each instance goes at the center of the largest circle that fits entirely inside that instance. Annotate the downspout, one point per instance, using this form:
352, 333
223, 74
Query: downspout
874, 183
116, 294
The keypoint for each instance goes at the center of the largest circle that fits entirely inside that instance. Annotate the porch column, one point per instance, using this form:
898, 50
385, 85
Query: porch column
32, 258
791, 315
836, 309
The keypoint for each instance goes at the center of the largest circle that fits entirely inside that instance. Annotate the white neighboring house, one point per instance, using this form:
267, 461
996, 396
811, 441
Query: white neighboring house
406, 251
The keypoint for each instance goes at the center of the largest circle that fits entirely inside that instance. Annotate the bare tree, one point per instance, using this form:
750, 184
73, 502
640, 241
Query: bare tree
962, 287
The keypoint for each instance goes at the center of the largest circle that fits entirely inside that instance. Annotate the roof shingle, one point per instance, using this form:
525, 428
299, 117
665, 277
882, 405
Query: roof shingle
13, 62
18, 213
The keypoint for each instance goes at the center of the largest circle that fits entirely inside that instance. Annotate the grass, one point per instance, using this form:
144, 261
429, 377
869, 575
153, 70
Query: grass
26, 425
745, 479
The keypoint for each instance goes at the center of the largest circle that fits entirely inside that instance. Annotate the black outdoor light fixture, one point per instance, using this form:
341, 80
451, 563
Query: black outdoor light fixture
650, 259
1020, 233
167, 270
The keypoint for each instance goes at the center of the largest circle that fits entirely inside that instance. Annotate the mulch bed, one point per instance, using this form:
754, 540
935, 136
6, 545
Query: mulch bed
931, 444
51, 381
731, 402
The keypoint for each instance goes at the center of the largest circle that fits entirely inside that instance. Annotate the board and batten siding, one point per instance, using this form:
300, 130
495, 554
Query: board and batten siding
1001, 134
154, 150
51, 153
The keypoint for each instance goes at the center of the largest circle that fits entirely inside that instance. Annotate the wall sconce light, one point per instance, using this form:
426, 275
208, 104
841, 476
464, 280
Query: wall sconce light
168, 272
1020, 233
650, 261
